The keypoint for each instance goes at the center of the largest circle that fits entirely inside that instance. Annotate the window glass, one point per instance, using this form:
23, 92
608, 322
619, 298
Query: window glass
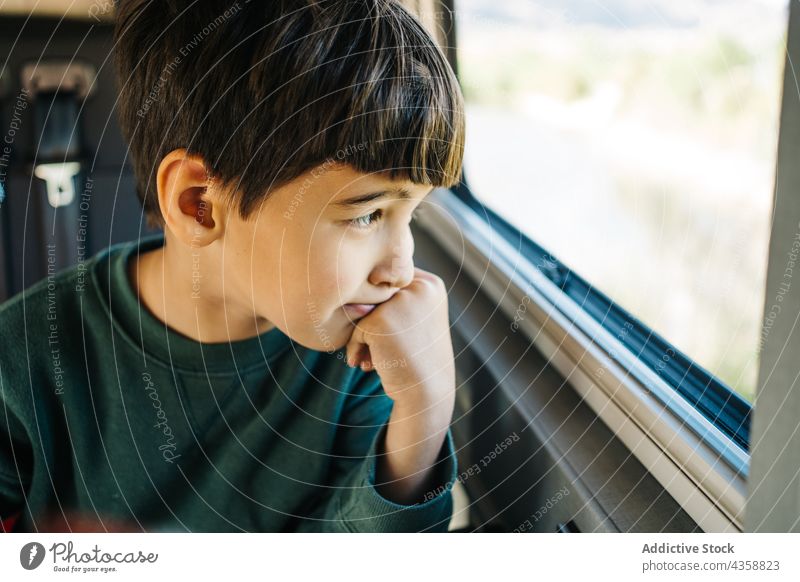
636, 141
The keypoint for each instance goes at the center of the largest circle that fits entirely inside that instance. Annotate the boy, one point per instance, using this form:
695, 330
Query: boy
274, 361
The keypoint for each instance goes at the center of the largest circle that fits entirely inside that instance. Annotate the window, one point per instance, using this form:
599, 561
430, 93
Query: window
636, 141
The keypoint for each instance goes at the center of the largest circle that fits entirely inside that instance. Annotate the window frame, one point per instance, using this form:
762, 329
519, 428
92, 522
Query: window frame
727, 409
718, 403
701, 468
648, 401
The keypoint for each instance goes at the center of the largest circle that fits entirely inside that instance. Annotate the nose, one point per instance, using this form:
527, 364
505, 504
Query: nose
396, 269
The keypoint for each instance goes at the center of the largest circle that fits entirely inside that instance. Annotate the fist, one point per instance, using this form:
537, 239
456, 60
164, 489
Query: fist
406, 340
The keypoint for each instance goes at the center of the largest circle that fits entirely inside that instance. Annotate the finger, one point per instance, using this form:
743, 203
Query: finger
351, 351
423, 274
360, 357
354, 347
365, 358
432, 279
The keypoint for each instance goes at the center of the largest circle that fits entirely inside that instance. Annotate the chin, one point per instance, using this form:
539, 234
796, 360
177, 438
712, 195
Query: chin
322, 338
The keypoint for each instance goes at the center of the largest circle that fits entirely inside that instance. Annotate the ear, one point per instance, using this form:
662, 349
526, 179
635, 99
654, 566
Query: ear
191, 205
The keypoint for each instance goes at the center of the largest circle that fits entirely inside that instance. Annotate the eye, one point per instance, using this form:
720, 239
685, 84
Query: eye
366, 221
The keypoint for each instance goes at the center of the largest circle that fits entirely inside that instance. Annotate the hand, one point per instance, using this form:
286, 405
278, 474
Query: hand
406, 340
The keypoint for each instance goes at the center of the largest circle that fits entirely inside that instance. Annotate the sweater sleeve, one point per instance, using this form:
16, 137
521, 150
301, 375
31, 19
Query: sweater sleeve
14, 467
352, 502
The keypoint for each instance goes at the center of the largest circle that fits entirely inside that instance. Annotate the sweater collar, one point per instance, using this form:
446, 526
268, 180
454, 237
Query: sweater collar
158, 341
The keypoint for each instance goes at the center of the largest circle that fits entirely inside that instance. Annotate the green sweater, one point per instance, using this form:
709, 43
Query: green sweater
107, 412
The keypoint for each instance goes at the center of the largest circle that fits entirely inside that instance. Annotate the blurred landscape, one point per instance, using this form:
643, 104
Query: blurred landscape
636, 141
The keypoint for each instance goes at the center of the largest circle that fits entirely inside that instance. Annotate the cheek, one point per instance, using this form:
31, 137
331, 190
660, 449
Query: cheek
330, 283
334, 269
313, 310
303, 288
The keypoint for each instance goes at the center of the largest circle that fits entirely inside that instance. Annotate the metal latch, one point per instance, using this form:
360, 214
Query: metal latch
59, 76
59, 181
61, 86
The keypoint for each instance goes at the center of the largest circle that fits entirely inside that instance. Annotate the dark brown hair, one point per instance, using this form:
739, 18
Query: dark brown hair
264, 91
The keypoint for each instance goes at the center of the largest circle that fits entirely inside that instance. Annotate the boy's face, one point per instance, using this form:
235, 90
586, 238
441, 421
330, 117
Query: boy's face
306, 254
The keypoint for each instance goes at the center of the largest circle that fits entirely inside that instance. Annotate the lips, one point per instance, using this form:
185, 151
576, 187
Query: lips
356, 310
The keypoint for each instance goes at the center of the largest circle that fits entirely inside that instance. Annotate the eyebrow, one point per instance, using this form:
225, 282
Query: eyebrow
364, 199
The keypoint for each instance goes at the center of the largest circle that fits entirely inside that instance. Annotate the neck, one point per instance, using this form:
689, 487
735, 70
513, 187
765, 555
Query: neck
174, 284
